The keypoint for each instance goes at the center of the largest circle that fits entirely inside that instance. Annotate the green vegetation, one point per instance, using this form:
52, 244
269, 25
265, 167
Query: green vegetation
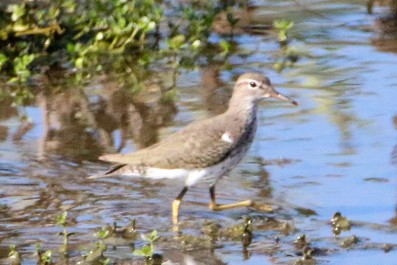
96, 254
13, 256
339, 223
147, 250
43, 257
212, 235
83, 39
61, 221
111, 236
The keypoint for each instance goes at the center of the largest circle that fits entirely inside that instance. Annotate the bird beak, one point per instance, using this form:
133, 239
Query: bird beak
275, 94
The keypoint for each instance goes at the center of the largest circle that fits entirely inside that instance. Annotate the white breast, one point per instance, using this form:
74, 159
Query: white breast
190, 176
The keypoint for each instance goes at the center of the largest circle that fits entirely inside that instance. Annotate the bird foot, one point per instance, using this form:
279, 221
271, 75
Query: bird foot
248, 203
219, 207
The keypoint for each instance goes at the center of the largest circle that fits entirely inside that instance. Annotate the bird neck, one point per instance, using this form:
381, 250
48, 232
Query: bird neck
242, 107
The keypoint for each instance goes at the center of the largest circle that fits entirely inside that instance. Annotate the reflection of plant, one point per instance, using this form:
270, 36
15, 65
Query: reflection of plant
289, 54
283, 27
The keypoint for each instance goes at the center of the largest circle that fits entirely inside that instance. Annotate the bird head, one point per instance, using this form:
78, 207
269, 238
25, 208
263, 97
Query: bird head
257, 87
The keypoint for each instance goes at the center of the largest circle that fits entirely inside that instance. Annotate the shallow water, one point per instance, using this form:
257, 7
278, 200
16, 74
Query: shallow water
336, 151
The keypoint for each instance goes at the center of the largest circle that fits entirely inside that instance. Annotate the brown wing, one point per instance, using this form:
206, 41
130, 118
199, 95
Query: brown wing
198, 145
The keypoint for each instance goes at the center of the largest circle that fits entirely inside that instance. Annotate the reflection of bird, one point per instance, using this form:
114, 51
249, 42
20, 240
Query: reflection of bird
394, 152
393, 220
213, 90
386, 26
237, 21
204, 149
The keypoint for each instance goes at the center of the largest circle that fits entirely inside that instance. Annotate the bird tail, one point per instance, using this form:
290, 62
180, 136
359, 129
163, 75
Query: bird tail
111, 172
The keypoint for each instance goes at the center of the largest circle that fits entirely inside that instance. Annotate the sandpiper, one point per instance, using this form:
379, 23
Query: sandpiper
206, 149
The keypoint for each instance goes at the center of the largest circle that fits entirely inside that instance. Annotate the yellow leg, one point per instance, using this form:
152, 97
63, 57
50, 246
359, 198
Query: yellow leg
248, 203
176, 204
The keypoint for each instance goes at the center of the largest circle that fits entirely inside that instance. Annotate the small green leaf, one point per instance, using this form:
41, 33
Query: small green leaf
70, 47
153, 236
17, 11
13, 256
143, 21
226, 47
176, 42
47, 43
69, 5
282, 36
122, 22
150, 26
147, 251
46, 256
283, 24
101, 246
79, 62
99, 36
61, 219
13, 80
3, 60
19, 27
196, 44
104, 233
139, 252
38, 247
105, 261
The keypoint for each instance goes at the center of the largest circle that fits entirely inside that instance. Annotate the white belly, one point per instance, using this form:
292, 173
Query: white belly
190, 176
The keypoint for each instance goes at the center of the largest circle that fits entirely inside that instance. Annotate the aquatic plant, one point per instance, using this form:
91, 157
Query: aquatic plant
96, 255
14, 258
44, 257
61, 220
283, 27
289, 54
147, 250
339, 223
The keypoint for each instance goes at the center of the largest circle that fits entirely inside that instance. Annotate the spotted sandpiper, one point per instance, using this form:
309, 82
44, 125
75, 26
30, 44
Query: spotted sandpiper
206, 149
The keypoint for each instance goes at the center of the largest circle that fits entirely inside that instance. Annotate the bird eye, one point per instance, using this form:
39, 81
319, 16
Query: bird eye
252, 84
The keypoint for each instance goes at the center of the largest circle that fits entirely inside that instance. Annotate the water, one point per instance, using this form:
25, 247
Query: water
334, 152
